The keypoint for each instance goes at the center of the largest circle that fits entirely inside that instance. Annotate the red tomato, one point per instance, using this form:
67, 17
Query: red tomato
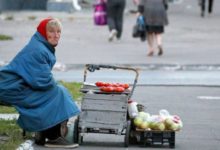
107, 84
102, 88
114, 85
126, 86
99, 83
107, 89
119, 89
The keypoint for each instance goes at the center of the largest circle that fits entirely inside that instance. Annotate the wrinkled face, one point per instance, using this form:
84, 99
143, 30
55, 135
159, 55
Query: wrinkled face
53, 35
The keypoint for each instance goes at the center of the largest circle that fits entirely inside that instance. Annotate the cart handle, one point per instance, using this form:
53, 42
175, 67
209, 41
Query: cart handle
94, 67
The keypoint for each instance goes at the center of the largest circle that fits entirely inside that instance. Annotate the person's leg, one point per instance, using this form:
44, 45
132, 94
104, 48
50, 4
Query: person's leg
210, 6
53, 132
203, 8
119, 18
150, 42
159, 43
63, 128
111, 13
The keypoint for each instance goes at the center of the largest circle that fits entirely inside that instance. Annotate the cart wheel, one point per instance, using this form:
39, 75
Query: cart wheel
39, 138
127, 134
76, 131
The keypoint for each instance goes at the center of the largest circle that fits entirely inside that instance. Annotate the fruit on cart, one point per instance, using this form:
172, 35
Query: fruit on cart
107, 89
119, 89
144, 125
173, 123
126, 86
100, 84
144, 115
161, 122
141, 120
155, 122
160, 126
112, 89
138, 121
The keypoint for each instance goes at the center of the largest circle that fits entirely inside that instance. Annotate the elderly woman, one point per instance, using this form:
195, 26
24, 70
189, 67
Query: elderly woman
28, 84
156, 18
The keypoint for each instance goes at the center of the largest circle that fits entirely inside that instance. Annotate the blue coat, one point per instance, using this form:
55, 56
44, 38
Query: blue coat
28, 84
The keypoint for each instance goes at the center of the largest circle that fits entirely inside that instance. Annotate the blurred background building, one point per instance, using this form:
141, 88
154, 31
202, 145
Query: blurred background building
23, 5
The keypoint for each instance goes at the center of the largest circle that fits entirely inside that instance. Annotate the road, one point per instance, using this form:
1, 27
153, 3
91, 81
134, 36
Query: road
198, 108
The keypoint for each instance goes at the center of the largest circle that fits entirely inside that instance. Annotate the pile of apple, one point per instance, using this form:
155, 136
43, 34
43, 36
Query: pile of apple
160, 122
112, 87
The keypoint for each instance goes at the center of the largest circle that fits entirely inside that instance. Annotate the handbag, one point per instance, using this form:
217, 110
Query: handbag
139, 29
100, 14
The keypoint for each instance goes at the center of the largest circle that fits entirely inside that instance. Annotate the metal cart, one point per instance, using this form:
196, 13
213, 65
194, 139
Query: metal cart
104, 112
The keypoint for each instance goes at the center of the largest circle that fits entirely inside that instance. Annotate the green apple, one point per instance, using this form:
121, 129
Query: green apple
144, 125
143, 115
174, 126
138, 121
161, 126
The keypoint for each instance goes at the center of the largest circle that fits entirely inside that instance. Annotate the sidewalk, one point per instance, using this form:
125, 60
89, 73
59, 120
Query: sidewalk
190, 44
188, 39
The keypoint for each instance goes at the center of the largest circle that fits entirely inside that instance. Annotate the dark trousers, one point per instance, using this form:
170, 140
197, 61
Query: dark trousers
53, 132
115, 10
210, 6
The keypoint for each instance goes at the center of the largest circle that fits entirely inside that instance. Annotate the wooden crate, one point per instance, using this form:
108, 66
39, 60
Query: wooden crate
103, 111
157, 138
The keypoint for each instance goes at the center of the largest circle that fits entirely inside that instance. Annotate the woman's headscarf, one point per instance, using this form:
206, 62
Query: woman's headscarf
42, 27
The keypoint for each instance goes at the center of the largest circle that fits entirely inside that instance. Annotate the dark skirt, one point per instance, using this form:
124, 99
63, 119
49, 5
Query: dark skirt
155, 29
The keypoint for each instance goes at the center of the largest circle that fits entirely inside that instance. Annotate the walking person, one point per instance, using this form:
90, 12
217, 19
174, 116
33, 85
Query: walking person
203, 5
27, 83
154, 12
115, 12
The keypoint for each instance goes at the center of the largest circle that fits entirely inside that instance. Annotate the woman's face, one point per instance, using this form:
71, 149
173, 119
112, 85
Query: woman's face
53, 35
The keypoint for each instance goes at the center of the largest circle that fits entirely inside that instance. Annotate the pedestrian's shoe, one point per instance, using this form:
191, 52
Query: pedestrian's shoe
160, 51
151, 53
202, 14
39, 138
112, 35
60, 142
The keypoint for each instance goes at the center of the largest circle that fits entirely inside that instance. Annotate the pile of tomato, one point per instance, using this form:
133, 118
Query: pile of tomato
112, 87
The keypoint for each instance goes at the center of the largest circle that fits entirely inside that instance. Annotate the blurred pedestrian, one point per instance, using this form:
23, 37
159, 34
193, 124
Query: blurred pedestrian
135, 3
76, 5
203, 6
115, 12
156, 18
27, 83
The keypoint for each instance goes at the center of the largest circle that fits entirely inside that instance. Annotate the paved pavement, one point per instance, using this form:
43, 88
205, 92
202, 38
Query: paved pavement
198, 108
189, 40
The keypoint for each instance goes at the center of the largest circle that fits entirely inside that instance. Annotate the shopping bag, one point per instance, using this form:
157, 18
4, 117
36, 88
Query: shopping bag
139, 29
100, 14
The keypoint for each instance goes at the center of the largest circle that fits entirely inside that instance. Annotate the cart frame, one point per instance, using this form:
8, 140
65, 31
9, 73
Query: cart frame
104, 112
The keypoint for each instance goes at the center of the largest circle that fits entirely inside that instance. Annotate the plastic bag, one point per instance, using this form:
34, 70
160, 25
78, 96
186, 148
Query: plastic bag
100, 14
139, 29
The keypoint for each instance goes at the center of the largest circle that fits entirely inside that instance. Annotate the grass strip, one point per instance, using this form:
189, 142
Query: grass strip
5, 37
